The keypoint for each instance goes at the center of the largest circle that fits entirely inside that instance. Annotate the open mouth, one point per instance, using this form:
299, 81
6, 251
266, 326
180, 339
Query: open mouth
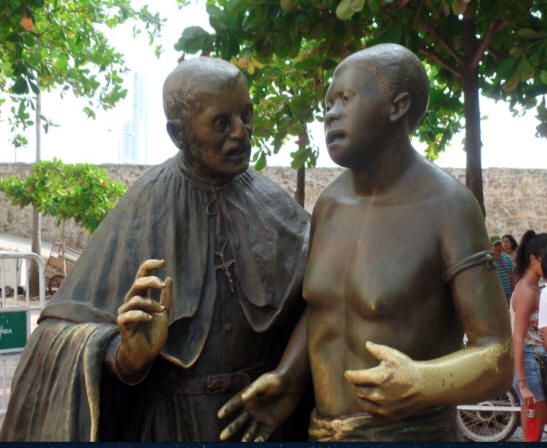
335, 136
239, 152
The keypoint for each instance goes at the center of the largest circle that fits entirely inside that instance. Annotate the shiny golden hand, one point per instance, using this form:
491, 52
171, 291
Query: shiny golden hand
143, 321
265, 404
394, 388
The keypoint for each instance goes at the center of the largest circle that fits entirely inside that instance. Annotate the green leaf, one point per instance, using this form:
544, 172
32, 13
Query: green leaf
506, 67
261, 162
525, 69
193, 39
374, 6
288, 5
20, 86
543, 76
357, 5
216, 17
343, 10
34, 87
528, 33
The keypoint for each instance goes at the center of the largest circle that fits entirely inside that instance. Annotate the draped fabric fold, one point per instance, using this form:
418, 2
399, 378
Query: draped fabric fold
57, 383
171, 214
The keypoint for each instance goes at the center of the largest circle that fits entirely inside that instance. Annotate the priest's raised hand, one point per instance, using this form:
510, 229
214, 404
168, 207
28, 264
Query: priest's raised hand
143, 323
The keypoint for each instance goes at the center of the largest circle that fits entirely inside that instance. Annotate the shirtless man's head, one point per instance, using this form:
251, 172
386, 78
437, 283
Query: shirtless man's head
397, 70
210, 116
376, 99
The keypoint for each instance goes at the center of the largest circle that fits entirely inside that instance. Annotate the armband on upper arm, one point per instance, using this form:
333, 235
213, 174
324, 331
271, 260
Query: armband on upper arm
485, 257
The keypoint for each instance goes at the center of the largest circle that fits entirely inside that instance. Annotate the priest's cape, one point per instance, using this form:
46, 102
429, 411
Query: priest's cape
171, 214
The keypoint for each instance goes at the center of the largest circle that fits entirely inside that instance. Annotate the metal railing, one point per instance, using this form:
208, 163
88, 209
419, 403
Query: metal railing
17, 313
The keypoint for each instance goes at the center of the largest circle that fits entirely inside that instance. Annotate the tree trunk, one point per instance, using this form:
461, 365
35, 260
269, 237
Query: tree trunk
300, 193
36, 247
473, 172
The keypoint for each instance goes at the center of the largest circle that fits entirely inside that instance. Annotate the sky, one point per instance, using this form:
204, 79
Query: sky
507, 141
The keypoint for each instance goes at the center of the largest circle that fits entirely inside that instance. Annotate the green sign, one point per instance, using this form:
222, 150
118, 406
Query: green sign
13, 329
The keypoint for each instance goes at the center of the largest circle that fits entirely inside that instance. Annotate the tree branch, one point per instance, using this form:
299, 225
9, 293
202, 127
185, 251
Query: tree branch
435, 33
434, 56
494, 55
495, 27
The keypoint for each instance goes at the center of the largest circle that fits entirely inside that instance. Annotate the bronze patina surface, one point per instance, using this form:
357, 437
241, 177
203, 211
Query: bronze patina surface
185, 294
398, 270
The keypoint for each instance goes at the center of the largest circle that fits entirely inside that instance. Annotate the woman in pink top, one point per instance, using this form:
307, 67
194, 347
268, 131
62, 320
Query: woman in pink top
527, 337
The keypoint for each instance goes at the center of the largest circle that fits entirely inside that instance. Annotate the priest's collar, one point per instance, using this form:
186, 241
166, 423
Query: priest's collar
198, 180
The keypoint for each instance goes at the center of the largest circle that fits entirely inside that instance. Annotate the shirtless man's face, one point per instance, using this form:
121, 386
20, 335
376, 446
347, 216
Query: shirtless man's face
357, 116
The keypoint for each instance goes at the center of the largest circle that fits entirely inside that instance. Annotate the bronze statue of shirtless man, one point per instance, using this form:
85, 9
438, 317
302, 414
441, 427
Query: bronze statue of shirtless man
398, 271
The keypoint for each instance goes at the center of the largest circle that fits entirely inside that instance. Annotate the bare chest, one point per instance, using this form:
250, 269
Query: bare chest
376, 260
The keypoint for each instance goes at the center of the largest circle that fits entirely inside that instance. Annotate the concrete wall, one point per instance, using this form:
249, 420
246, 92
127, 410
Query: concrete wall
514, 198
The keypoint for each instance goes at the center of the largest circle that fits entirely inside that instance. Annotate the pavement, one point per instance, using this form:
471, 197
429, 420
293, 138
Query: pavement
12, 243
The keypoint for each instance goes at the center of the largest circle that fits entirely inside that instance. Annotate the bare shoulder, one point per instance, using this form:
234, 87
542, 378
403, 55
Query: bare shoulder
524, 298
460, 222
338, 190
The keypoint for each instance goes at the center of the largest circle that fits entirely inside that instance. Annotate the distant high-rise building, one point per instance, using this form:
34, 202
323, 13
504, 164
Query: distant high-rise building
134, 144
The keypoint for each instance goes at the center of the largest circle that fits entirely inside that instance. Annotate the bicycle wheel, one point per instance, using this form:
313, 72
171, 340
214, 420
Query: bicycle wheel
489, 424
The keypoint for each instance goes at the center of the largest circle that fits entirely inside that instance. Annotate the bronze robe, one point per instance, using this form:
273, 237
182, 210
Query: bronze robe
61, 390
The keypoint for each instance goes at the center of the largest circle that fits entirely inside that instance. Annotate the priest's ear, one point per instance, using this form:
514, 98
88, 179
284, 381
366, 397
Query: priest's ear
175, 129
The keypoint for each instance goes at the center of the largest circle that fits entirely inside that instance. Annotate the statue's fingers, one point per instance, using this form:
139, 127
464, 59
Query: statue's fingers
369, 406
262, 385
134, 317
382, 352
251, 431
166, 297
141, 303
373, 376
234, 427
131, 319
142, 284
263, 434
396, 410
232, 405
371, 393
148, 266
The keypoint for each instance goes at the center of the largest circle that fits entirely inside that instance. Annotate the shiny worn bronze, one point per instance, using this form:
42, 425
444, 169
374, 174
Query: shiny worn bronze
398, 271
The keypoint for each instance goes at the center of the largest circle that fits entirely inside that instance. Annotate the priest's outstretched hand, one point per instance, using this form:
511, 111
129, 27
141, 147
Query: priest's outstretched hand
262, 406
143, 321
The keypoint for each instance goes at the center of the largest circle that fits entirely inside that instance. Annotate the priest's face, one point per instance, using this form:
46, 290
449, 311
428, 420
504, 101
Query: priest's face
218, 136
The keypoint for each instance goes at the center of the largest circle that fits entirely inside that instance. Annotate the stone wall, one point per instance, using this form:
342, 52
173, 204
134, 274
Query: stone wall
514, 198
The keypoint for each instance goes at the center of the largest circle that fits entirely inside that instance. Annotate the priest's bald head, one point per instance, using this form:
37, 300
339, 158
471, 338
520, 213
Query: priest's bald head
210, 116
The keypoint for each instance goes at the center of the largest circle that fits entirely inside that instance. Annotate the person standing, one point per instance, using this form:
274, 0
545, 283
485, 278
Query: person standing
510, 246
527, 338
504, 265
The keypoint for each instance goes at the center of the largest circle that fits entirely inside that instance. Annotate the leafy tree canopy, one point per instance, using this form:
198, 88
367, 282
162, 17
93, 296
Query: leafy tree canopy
81, 191
45, 44
289, 48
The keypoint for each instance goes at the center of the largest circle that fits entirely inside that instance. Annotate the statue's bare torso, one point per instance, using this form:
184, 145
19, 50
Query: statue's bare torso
375, 273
